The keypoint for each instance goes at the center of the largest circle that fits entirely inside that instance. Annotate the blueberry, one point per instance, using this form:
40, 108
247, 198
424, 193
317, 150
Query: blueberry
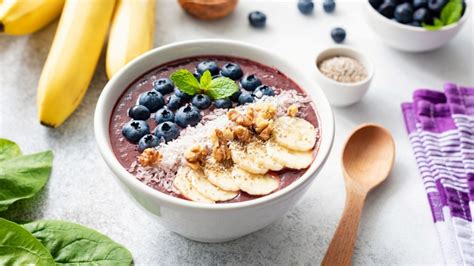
164, 115
338, 35
134, 130
174, 102
232, 71
183, 95
257, 19
187, 115
263, 90
167, 130
436, 5
245, 97
422, 15
207, 65
152, 100
329, 6
420, 3
375, 3
306, 6
139, 112
387, 9
235, 97
148, 141
197, 75
415, 23
163, 86
404, 13
223, 103
250, 82
201, 101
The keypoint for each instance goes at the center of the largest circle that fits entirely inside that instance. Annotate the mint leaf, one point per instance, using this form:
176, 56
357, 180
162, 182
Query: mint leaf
19, 247
451, 12
206, 79
437, 24
221, 88
21, 176
186, 82
75, 244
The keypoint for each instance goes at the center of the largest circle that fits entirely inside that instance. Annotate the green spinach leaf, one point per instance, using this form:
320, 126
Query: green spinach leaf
19, 247
22, 176
451, 12
8, 149
71, 243
437, 24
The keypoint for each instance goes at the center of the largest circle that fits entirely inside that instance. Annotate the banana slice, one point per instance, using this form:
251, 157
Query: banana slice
262, 157
290, 158
202, 185
294, 133
220, 176
255, 184
182, 184
245, 156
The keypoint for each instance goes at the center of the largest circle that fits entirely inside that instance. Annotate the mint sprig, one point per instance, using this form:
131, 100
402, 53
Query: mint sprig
451, 13
216, 89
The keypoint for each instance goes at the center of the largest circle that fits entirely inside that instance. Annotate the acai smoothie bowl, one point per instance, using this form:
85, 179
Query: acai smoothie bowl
215, 138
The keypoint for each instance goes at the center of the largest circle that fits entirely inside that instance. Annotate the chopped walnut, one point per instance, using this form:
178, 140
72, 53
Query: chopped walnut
292, 110
149, 157
195, 156
241, 119
266, 133
219, 138
266, 110
260, 124
241, 133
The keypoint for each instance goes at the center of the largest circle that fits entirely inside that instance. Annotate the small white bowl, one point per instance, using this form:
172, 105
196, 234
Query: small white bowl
201, 221
409, 38
338, 93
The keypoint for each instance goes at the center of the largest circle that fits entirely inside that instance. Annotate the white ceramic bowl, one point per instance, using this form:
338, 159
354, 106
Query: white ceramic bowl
408, 38
200, 221
338, 93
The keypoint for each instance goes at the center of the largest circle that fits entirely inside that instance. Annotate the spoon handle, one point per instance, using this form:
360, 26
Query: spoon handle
342, 243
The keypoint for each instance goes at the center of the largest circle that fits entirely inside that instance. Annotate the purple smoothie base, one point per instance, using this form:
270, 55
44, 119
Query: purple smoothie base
126, 152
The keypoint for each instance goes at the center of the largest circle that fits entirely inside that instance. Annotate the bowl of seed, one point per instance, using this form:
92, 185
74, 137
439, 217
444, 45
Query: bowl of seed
344, 74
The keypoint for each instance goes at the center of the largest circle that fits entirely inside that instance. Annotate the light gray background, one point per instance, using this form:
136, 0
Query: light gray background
396, 225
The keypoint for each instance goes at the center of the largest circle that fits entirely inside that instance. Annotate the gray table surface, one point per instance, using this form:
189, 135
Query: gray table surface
396, 226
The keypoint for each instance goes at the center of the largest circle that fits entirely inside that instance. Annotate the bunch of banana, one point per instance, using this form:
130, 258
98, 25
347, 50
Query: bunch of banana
77, 46
73, 58
18, 17
131, 33
291, 147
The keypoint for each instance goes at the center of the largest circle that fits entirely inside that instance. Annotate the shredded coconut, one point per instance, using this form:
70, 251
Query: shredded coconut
173, 152
343, 69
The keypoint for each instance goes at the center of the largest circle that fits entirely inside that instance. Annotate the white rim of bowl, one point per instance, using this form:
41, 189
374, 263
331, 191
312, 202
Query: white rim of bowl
464, 17
369, 66
101, 132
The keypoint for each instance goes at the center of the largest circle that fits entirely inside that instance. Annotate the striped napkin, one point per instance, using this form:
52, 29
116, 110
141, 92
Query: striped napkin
441, 131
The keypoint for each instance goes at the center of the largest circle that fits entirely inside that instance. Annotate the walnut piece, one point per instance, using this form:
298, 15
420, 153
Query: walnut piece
219, 138
292, 110
266, 133
195, 154
266, 110
242, 133
149, 157
245, 120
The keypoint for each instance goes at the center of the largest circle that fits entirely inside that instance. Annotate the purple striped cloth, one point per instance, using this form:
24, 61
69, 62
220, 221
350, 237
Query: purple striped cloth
441, 130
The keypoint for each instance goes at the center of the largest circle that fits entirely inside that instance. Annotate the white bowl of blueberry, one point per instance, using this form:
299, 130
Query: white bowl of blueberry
416, 25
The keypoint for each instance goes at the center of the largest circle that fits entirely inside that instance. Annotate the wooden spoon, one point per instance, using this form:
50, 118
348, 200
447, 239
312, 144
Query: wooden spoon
208, 9
367, 160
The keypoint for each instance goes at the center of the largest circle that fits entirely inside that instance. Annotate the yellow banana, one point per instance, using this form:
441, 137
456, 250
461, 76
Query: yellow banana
73, 58
18, 17
131, 33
